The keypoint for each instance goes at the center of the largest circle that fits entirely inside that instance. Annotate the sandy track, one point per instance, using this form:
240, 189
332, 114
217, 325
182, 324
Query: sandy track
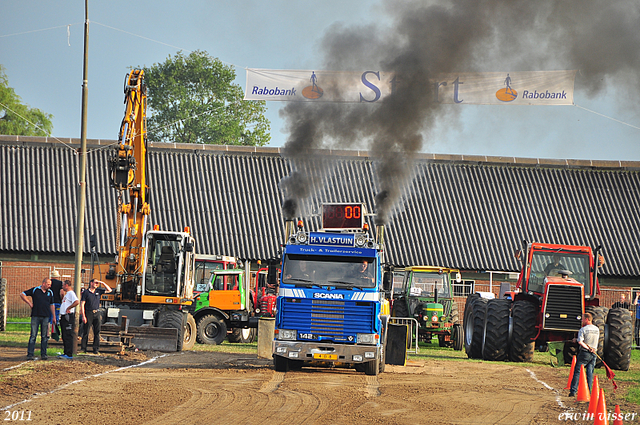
232, 389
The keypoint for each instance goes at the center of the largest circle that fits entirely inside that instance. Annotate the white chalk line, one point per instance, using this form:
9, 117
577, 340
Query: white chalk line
547, 386
37, 395
16, 366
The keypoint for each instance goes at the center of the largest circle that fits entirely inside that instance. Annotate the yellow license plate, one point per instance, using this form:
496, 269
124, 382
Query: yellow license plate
325, 356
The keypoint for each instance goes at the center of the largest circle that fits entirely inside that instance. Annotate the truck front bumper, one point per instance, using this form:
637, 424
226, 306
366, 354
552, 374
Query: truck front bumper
326, 352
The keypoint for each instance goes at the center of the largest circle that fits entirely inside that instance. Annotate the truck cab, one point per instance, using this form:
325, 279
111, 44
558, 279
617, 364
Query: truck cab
330, 306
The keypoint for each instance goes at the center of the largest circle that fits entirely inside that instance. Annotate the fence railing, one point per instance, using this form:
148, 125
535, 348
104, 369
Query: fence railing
21, 278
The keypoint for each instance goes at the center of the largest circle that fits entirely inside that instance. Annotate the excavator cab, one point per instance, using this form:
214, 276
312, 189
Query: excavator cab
170, 259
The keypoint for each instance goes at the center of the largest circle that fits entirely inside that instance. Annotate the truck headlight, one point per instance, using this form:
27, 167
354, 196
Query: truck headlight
293, 354
366, 339
287, 334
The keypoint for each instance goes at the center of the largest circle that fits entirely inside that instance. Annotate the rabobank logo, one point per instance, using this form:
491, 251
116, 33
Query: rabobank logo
314, 91
507, 94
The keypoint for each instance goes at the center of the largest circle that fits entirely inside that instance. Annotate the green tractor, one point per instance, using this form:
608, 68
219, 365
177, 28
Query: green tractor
427, 296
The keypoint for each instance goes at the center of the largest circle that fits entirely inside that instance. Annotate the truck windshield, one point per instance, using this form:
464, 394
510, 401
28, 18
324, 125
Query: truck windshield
551, 263
424, 284
204, 271
306, 270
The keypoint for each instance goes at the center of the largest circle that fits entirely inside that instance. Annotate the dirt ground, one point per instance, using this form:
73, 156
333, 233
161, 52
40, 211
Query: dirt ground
204, 387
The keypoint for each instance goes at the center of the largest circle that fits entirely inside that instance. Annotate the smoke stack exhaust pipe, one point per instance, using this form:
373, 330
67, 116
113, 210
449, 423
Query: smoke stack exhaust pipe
289, 229
380, 240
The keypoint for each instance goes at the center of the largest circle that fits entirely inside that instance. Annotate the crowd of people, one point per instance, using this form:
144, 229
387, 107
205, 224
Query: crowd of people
53, 304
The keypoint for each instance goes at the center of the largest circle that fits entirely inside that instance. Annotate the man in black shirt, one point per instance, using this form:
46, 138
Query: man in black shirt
56, 288
42, 308
622, 303
89, 306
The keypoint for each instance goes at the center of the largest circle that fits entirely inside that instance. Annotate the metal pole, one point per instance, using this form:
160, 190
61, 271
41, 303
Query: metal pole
83, 171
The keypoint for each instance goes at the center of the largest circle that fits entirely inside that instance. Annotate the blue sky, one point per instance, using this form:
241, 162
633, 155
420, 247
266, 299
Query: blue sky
44, 65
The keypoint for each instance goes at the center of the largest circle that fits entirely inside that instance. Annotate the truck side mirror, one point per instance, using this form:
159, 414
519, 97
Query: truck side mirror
387, 279
188, 247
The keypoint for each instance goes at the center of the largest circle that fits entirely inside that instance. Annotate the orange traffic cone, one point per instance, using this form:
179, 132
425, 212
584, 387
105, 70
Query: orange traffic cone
593, 402
618, 416
583, 387
573, 368
601, 414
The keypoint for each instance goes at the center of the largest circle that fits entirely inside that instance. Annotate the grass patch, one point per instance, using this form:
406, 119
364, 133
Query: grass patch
227, 347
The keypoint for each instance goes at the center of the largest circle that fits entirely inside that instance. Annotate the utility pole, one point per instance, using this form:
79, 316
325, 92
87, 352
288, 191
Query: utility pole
82, 198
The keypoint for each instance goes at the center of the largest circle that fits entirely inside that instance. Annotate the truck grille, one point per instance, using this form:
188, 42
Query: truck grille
564, 308
327, 317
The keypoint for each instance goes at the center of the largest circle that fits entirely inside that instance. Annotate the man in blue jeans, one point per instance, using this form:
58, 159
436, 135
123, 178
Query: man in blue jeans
42, 308
588, 337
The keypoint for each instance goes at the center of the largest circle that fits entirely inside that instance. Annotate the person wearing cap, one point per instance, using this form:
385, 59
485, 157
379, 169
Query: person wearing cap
89, 306
68, 318
56, 288
41, 305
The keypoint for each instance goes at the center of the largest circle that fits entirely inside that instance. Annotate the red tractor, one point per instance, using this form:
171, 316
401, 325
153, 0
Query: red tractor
557, 285
266, 291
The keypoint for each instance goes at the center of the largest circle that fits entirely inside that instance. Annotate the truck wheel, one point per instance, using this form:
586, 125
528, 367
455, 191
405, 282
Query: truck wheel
457, 335
372, 367
173, 319
242, 335
617, 345
3, 305
523, 319
280, 364
599, 320
212, 330
496, 340
190, 330
474, 314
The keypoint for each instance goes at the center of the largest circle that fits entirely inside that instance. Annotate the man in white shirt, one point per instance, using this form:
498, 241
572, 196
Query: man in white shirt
588, 337
68, 319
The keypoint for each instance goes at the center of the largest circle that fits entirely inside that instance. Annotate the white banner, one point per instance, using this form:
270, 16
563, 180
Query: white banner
475, 88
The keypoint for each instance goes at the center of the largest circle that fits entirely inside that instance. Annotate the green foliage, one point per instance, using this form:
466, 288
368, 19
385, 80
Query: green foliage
192, 99
17, 118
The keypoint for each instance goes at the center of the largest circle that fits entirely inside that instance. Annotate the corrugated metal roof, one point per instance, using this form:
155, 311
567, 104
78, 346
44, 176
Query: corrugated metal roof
459, 212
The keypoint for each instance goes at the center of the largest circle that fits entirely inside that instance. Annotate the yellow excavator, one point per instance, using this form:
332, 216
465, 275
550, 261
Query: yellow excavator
152, 274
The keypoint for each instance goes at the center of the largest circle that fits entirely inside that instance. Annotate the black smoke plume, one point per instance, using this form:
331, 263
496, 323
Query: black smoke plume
599, 38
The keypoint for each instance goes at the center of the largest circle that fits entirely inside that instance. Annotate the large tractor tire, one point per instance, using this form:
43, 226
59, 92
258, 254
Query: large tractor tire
523, 330
474, 314
455, 314
211, 330
496, 340
3, 305
618, 338
190, 332
457, 336
599, 320
401, 310
242, 335
173, 319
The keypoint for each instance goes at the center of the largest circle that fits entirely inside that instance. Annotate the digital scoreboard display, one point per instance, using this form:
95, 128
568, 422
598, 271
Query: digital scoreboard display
342, 216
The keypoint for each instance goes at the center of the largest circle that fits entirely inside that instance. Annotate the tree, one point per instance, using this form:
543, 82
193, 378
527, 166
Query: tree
192, 99
17, 118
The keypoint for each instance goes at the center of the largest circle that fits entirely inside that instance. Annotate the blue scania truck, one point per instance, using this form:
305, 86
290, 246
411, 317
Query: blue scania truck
331, 308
